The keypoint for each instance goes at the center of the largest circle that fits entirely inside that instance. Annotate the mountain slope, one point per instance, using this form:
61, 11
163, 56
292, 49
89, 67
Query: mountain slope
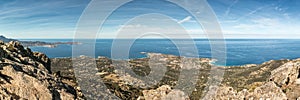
26, 75
273, 80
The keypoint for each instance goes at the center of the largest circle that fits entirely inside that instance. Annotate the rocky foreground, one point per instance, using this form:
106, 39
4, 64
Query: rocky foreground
29, 75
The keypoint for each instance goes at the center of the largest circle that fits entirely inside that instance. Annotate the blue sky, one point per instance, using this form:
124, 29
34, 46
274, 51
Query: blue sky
238, 18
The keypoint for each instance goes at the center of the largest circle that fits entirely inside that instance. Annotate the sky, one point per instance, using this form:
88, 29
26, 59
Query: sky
238, 18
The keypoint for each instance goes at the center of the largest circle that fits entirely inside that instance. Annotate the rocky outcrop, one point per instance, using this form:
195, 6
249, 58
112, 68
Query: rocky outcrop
287, 78
268, 91
27, 75
164, 93
272, 80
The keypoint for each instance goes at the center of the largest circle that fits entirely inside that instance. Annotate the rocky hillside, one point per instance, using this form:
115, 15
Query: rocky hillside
26, 75
29, 75
273, 80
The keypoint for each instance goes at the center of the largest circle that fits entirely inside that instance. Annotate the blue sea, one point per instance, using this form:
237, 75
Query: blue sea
239, 51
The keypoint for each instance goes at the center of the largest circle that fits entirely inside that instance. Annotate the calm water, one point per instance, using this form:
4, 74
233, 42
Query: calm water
239, 51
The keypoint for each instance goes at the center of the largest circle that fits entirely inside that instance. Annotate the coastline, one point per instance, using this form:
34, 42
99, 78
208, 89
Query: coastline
236, 80
240, 52
209, 60
270, 80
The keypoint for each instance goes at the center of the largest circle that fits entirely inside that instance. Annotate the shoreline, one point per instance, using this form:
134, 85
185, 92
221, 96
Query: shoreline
258, 52
211, 61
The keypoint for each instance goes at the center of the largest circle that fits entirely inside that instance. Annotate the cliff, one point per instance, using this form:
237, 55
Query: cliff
26, 75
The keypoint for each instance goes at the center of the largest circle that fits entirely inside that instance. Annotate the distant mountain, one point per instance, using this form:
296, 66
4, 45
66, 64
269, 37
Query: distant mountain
28, 43
4, 39
35, 43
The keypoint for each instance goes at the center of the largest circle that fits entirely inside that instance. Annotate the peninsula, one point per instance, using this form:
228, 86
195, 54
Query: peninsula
36, 43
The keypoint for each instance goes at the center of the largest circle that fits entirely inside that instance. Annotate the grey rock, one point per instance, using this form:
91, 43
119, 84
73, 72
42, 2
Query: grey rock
27, 75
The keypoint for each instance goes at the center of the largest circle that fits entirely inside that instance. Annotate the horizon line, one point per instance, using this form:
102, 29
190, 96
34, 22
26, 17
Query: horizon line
158, 38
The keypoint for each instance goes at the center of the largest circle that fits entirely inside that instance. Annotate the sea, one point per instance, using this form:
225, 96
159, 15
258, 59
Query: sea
238, 51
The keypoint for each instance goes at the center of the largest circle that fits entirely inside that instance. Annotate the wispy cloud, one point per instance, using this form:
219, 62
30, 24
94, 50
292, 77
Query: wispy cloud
56, 18
37, 18
186, 19
245, 15
263, 23
230, 6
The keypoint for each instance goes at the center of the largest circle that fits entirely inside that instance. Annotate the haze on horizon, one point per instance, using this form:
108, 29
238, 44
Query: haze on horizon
238, 18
